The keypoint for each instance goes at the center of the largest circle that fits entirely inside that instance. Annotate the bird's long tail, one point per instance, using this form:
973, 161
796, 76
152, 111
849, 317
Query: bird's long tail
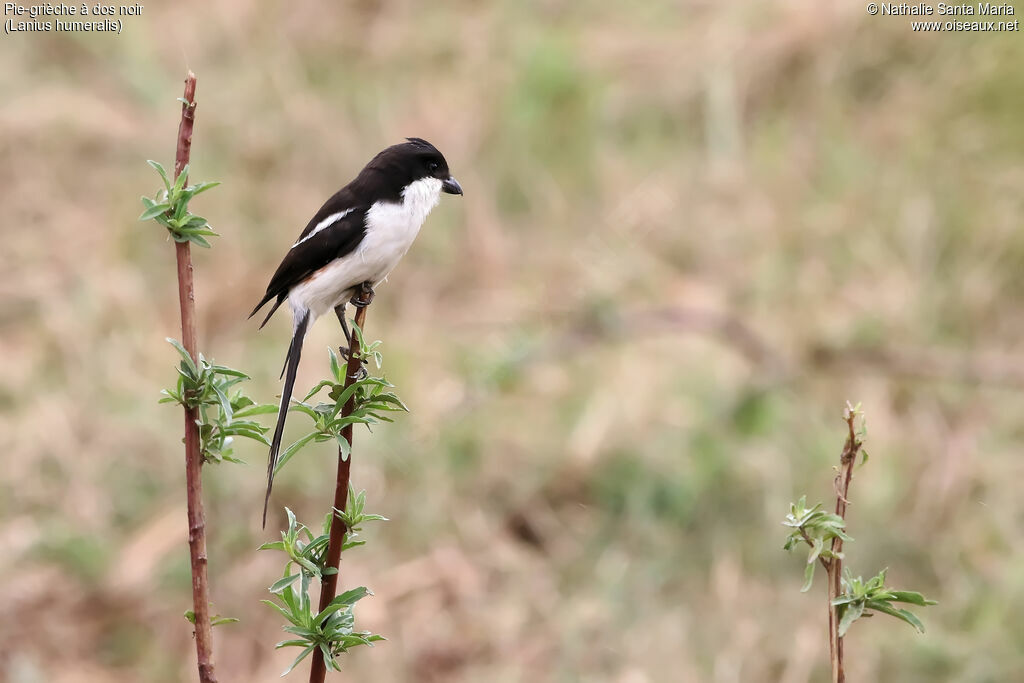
291, 367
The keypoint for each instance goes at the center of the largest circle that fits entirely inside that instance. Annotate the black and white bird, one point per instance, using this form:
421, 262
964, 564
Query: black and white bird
358, 236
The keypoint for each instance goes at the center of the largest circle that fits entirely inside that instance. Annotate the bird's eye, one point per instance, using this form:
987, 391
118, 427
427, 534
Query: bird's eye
433, 166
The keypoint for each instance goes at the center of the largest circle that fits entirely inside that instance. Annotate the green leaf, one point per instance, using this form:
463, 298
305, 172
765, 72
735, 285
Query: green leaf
194, 222
303, 408
225, 404
264, 409
901, 614
335, 367
808, 577
285, 613
244, 428
304, 594
350, 597
329, 610
320, 385
351, 542
283, 583
273, 545
336, 425
303, 642
344, 449
913, 597
152, 209
218, 620
200, 188
199, 241
816, 547
163, 174
301, 631
185, 356
295, 615
239, 401
328, 658
348, 392
393, 400
303, 655
293, 449
851, 613
179, 181
190, 232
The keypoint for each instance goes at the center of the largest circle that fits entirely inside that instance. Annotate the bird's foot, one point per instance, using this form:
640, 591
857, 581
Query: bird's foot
363, 296
344, 352
362, 373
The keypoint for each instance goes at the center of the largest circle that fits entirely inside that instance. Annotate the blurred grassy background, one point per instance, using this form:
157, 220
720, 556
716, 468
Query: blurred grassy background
690, 232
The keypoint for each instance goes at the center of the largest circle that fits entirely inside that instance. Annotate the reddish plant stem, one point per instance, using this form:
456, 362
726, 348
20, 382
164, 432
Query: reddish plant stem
329, 585
835, 565
193, 458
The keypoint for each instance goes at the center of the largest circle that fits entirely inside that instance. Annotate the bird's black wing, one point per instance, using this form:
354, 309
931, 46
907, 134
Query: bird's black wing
335, 231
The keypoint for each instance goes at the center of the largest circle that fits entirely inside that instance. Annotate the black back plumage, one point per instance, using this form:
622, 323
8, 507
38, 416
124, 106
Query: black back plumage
312, 253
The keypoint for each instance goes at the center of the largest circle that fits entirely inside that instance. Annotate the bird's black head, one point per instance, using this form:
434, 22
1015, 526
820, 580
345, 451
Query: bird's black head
400, 165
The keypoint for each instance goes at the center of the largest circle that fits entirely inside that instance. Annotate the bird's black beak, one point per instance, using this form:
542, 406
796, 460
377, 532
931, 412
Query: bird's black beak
451, 186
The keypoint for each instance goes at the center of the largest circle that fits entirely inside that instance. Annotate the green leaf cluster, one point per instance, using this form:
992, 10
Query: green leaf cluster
818, 528
307, 552
331, 630
354, 517
371, 399
815, 527
861, 597
169, 208
223, 413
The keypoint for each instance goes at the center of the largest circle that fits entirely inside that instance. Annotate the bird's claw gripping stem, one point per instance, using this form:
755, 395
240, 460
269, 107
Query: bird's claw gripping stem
363, 296
344, 352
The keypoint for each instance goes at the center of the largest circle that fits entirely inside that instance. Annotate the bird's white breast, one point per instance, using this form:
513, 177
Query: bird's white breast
391, 228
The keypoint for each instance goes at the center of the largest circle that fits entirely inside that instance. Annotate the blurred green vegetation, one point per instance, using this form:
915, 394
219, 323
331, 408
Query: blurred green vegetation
690, 232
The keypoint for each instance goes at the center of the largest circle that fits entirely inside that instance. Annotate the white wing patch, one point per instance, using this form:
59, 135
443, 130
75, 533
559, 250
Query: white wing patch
324, 224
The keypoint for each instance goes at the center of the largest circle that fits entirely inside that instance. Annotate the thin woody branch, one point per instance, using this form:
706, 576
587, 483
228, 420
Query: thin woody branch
847, 460
193, 457
329, 585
